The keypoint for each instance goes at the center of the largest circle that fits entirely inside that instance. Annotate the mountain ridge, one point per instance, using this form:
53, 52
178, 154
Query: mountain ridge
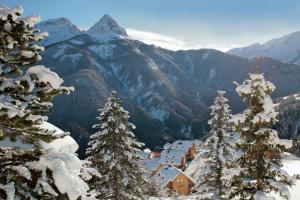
168, 93
61, 29
285, 48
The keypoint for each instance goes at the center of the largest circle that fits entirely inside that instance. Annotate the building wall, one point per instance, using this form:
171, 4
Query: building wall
180, 184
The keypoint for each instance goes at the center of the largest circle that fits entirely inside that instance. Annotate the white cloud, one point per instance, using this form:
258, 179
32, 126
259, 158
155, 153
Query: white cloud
173, 42
165, 41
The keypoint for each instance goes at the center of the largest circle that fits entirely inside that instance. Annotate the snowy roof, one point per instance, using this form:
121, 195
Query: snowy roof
172, 156
166, 174
173, 153
167, 145
181, 145
150, 165
157, 159
144, 154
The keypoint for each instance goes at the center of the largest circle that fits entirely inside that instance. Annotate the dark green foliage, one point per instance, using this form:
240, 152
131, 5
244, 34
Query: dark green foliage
216, 153
113, 151
26, 92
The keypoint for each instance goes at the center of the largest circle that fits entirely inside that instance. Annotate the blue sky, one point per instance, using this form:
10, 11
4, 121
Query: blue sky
220, 24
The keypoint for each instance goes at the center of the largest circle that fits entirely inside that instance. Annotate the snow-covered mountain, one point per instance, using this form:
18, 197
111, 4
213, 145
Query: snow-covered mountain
62, 29
106, 27
167, 93
286, 49
59, 30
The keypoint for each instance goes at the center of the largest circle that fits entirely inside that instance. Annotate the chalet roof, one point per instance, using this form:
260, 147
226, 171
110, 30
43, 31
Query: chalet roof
172, 156
150, 165
144, 154
181, 145
167, 174
173, 153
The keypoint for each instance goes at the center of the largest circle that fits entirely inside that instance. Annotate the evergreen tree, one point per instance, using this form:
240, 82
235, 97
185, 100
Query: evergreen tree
26, 90
152, 189
217, 151
113, 151
258, 171
27, 169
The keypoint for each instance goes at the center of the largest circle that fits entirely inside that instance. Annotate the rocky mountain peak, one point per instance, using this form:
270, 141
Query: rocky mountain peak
106, 26
59, 29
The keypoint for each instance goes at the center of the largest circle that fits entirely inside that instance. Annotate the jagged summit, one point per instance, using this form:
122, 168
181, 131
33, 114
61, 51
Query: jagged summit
106, 26
59, 29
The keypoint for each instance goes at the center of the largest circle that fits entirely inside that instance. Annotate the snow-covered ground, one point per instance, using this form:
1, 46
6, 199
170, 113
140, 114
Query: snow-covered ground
196, 197
291, 165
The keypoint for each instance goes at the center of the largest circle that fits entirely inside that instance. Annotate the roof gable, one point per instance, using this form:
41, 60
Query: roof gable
167, 174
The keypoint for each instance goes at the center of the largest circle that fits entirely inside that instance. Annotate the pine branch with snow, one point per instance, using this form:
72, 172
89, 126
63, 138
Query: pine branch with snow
47, 168
258, 170
217, 151
114, 152
26, 90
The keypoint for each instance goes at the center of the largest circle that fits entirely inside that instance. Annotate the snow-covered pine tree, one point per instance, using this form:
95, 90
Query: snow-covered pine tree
258, 171
25, 98
216, 151
114, 152
152, 189
28, 170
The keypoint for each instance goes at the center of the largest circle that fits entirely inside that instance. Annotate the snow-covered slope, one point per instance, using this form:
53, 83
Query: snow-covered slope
286, 49
291, 166
106, 27
59, 30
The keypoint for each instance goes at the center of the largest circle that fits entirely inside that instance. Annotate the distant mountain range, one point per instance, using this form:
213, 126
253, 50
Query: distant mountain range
168, 93
286, 49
